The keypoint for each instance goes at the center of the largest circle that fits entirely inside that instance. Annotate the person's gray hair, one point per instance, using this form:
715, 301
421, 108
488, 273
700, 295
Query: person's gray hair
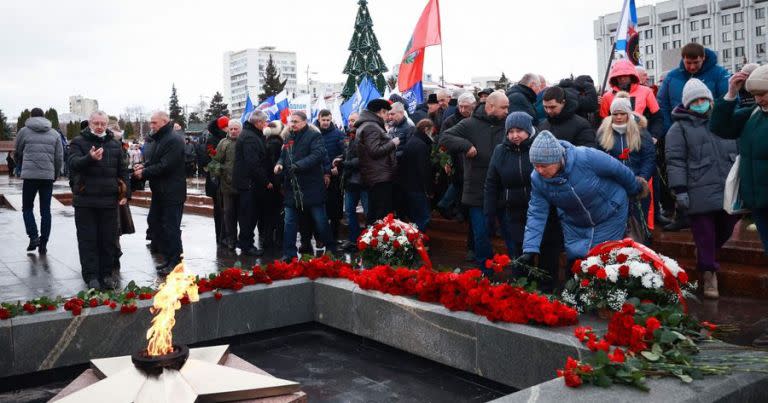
162, 114
258, 116
300, 114
530, 80
467, 98
443, 93
542, 81
398, 107
98, 113
234, 122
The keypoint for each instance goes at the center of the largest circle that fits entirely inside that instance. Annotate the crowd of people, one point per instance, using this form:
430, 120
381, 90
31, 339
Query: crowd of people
550, 168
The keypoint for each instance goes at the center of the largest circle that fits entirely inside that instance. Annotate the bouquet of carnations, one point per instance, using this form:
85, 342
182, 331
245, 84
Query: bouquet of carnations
392, 242
615, 271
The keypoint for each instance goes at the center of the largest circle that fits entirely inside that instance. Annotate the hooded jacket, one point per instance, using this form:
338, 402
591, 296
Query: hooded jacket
375, 150
641, 97
569, 126
482, 132
39, 150
522, 98
698, 161
591, 196
94, 183
670, 94
165, 168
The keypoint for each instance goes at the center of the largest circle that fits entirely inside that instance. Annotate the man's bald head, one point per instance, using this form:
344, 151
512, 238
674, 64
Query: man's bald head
497, 105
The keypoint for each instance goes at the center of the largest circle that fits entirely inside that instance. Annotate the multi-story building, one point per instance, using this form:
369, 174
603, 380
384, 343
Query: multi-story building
243, 71
82, 107
735, 29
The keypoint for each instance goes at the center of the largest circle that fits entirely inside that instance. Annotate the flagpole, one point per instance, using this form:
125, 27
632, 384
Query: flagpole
608, 69
442, 71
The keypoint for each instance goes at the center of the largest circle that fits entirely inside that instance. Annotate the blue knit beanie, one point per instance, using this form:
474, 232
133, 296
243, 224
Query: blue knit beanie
519, 120
546, 149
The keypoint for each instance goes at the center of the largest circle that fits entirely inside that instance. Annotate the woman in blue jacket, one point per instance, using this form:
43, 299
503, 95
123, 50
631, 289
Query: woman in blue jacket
590, 190
623, 135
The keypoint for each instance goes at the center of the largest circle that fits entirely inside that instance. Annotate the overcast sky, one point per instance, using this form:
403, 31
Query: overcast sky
129, 52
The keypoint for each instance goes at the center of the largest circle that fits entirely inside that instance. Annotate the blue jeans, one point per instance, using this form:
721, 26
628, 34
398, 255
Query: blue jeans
418, 209
483, 249
29, 190
760, 216
322, 227
449, 197
352, 196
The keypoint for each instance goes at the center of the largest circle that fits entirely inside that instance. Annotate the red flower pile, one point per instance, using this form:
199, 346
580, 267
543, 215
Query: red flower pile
498, 263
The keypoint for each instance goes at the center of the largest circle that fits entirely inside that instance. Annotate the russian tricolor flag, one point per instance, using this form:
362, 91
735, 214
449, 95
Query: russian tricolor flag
627, 24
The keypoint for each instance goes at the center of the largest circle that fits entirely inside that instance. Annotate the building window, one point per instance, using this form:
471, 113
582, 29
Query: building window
694, 25
706, 40
738, 17
676, 29
648, 49
738, 34
726, 36
760, 48
649, 34
651, 80
760, 30
726, 54
664, 31
739, 51
676, 44
759, 13
695, 39
649, 64
706, 23
726, 19
665, 46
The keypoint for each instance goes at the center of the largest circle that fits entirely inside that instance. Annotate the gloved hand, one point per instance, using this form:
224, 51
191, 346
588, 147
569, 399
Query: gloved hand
294, 167
526, 259
682, 201
644, 189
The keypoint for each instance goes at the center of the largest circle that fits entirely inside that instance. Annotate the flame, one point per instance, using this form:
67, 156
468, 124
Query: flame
164, 307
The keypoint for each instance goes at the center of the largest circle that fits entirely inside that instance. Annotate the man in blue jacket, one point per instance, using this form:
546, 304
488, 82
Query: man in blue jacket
697, 62
590, 190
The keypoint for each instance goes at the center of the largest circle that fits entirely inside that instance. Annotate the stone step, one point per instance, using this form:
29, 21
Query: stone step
736, 280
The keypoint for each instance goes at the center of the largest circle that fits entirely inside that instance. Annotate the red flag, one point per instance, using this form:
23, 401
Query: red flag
427, 33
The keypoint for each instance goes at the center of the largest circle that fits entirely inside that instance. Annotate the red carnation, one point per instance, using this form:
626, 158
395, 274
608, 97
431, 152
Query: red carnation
105, 302
51, 307
29, 308
617, 356
361, 245
624, 154
624, 271
217, 295
601, 274
374, 242
621, 258
130, 295
93, 303
77, 310
184, 300
572, 379
396, 244
585, 282
682, 277
113, 304
5, 314
650, 326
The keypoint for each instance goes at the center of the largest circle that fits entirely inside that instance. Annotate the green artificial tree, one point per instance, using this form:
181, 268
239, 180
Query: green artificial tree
217, 108
5, 131
364, 59
272, 84
174, 109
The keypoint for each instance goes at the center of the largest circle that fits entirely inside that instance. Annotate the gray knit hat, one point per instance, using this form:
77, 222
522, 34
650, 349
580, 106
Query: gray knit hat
621, 103
758, 80
695, 89
519, 120
546, 149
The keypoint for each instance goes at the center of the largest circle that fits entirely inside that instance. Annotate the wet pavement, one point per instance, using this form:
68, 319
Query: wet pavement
332, 366
25, 275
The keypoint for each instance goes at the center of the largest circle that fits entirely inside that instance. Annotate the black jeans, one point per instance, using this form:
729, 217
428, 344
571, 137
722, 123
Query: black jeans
379, 201
249, 215
230, 205
97, 234
167, 218
29, 190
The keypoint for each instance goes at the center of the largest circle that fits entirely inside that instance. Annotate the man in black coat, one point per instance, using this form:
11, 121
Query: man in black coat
377, 161
164, 168
250, 178
562, 120
427, 110
415, 174
303, 160
522, 96
216, 132
96, 165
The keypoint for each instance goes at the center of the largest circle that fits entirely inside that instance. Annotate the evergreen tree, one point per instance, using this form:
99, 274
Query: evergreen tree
5, 131
22, 119
53, 116
174, 110
128, 133
72, 129
503, 83
272, 84
194, 118
364, 59
217, 108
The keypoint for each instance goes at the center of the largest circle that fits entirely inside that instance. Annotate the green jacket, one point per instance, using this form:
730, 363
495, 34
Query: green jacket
750, 126
225, 155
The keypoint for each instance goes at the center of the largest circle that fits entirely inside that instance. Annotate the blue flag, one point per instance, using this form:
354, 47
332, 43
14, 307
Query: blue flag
364, 93
413, 97
248, 109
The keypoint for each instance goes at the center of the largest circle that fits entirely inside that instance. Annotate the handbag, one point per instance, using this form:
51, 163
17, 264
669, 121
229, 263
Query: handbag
125, 219
732, 202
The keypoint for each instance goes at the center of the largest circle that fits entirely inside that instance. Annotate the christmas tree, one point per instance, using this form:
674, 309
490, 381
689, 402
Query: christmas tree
272, 84
217, 108
174, 109
364, 59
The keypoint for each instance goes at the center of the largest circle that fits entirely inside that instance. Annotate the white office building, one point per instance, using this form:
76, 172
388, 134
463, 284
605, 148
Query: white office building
82, 107
734, 29
243, 71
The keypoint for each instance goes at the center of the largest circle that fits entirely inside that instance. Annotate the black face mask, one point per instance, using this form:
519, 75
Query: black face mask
625, 87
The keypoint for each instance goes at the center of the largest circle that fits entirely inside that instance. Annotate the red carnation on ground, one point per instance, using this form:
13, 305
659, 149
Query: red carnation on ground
130, 295
617, 356
29, 308
93, 303
113, 304
5, 314
217, 295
